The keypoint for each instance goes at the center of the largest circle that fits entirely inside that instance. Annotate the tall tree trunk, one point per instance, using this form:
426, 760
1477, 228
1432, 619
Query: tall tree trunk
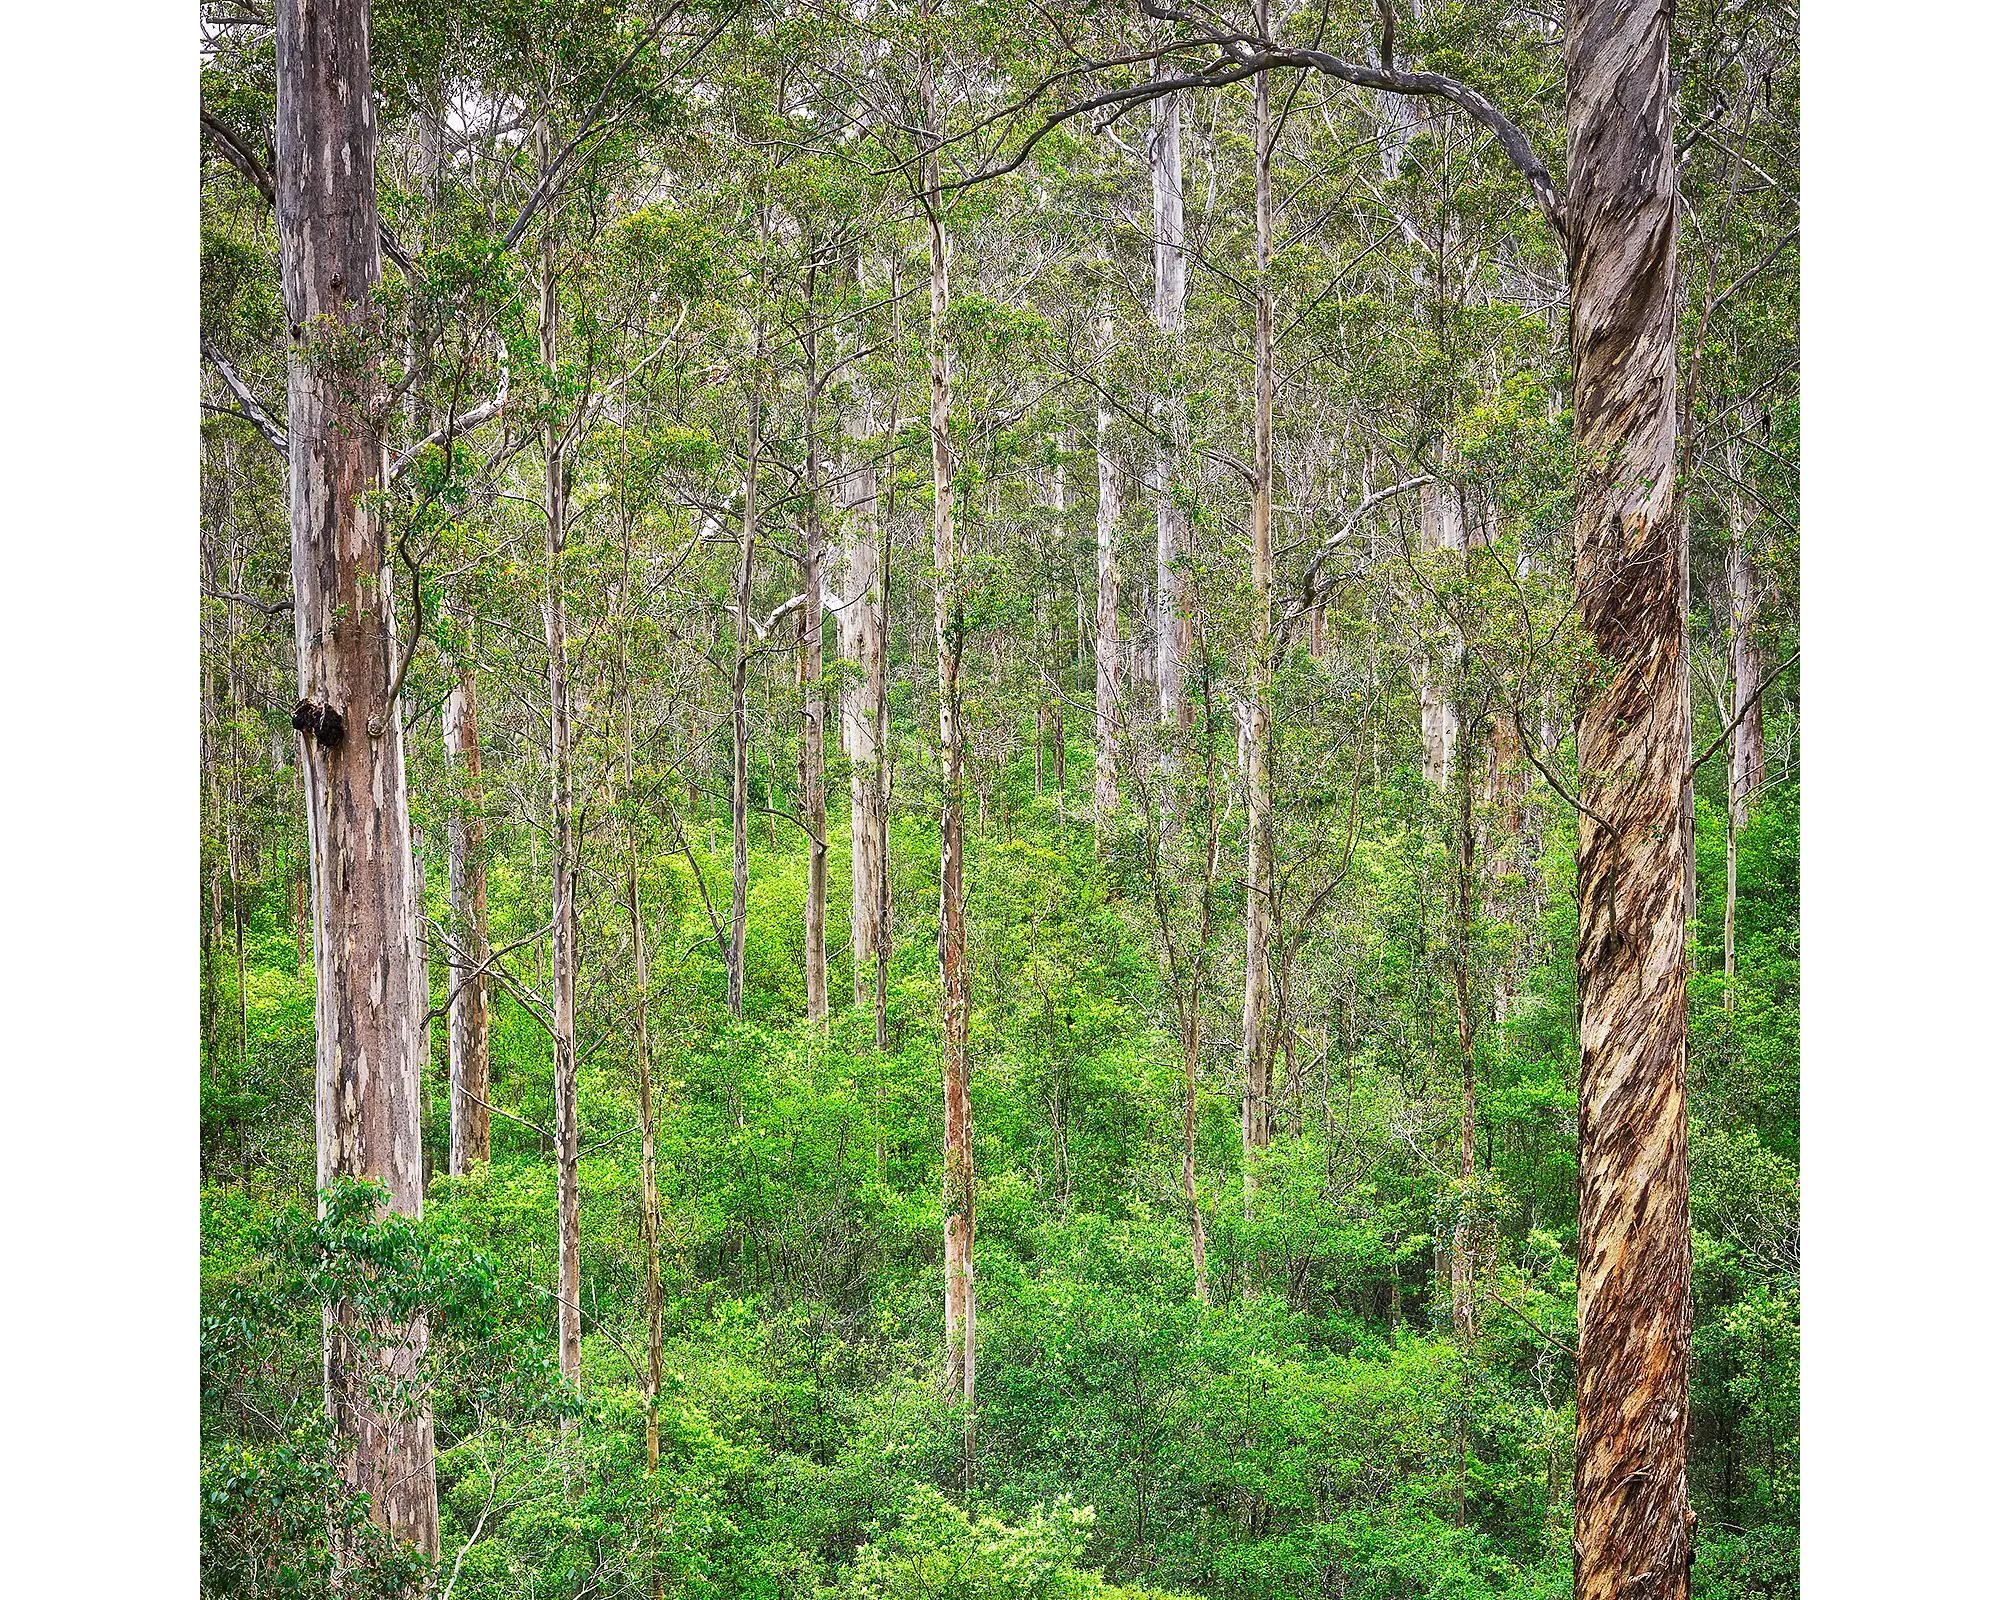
1464, 1243
812, 684
649, 1182
1633, 1524
1257, 1046
948, 617
739, 709
1104, 792
1173, 631
370, 996
563, 845
1440, 526
885, 925
859, 625
471, 1139
1746, 672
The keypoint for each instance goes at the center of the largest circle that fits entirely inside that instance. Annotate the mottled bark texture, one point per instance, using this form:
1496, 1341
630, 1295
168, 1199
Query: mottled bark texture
1172, 629
812, 685
1633, 1526
563, 847
471, 1140
859, 625
1256, 738
370, 996
1746, 674
1440, 526
739, 705
954, 971
1104, 786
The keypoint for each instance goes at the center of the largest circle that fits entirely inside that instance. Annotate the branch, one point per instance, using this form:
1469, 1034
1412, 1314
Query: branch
275, 608
1241, 56
762, 626
1749, 705
1528, 750
1552, 1341
234, 146
541, 193
237, 149
1368, 504
478, 415
258, 416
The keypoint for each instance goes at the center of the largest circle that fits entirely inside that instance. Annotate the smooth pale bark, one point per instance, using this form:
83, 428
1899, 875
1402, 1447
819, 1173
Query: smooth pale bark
1633, 1524
1440, 526
642, 965
471, 1140
1464, 1241
858, 624
739, 708
885, 922
1257, 1046
563, 841
1746, 743
954, 971
370, 997
1173, 635
1104, 787
812, 693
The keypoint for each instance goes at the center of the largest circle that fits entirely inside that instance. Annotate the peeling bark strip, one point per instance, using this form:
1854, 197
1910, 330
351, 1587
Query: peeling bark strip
370, 993
1633, 1525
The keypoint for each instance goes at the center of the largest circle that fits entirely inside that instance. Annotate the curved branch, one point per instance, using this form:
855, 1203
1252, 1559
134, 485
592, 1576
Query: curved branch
1241, 56
240, 156
255, 413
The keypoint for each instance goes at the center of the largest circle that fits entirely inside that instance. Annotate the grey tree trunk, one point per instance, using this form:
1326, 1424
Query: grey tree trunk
1173, 629
370, 996
1257, 1046
1633, 1524
1441, 526
739, 710
1104, 791
563, 842
812, 695
642, 966
859, 626
1746, 743
471, 1139
954, 971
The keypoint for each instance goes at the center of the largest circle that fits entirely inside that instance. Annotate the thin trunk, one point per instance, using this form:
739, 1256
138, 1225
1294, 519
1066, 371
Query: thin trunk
1257, 728
370, 998
471, 1140
859, 624
1746, 744
739, 710
649, 1182
563, 846
1441, 526
812, 697
1464, 1241
961, 1313
1633, 1524
885, 927
1173, 635
1104, 792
